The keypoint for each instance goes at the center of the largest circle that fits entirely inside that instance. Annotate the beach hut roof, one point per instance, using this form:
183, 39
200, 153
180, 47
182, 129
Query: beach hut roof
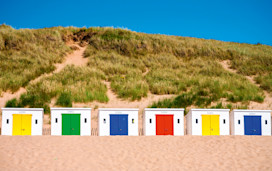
164, 109
244, 110
23, 109
118, 109
209, 109
70, 108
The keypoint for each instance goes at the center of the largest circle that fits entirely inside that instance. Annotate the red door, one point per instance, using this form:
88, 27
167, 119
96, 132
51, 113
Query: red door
164, 125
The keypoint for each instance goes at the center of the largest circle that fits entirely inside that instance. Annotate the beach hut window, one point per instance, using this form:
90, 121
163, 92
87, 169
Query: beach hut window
56, 120
238, 121
36, 121
104, 121
133, 121
224, 121
7, 121
265, 122
196, 120
150, 120
178, 121
85, 120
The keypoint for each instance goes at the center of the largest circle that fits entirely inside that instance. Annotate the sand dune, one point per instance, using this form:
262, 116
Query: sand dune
75, 58
136, 153
266, 104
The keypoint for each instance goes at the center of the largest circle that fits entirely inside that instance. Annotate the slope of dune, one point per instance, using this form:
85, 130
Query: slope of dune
186, 71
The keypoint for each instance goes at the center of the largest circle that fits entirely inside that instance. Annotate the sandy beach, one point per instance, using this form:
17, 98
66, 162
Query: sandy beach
135, 153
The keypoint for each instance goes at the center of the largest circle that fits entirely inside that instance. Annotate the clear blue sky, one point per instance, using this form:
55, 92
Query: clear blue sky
248, 21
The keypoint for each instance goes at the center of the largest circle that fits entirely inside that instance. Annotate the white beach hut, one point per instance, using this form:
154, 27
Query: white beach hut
250, 122
163, 121
70, 121
118, 121
22, 121
208, 122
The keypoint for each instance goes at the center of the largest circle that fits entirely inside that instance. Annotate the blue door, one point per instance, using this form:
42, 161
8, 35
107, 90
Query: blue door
114, 124
253, 125
118, 124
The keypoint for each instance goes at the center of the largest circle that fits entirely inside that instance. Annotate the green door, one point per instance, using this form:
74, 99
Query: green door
70, 124
75, 124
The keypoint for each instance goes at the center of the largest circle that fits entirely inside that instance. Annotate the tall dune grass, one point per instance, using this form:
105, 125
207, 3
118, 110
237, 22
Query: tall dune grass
135, 64
176, 65
247, 59
72, 84
26, 54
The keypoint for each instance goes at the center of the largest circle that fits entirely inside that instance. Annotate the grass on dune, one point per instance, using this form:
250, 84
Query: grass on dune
125, 74
26, 54
184, 66
187, 67
220, 105
72, 84
247, 59
203, 82
265, 81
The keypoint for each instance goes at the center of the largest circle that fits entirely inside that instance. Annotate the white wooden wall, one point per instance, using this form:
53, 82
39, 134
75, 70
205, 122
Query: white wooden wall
104, 113
239, 129
56, 113
196, 114
150, 113
7, 115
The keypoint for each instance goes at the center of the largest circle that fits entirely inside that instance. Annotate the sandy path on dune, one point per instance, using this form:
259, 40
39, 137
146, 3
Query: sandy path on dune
135, 153
75, 58
266, 104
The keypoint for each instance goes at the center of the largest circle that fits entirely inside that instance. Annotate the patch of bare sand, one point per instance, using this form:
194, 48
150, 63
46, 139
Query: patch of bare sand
266, 104
75, 58
135, 153
9, 95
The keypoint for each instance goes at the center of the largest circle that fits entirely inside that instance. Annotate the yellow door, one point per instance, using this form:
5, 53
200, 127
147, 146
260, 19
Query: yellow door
206, 125
21, 124
26, 124
17, 124
215, 130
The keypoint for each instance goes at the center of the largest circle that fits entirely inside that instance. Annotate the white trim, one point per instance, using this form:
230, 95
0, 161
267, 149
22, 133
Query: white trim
209, 109
118, 109
210, 114
23, 109
164, 109
70, 108
70, 114
242, 110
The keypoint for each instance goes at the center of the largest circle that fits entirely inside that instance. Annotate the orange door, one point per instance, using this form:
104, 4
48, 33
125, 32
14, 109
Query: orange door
164, 125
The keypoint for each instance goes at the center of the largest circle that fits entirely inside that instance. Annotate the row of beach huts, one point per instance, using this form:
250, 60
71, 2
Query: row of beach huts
124, 121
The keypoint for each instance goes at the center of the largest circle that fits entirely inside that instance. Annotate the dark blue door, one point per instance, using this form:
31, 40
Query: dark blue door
118, 124
253, 125
114, 124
